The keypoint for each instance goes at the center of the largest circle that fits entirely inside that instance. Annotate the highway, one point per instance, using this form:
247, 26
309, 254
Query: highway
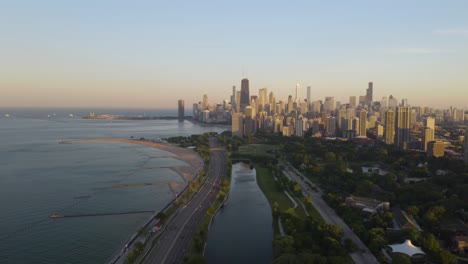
175, 239
363, 255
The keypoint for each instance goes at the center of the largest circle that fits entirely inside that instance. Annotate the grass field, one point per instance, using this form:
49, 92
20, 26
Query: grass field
267, 184
259, 150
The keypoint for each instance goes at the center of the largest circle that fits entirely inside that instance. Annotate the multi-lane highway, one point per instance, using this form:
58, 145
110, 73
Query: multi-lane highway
361, 256
175, 240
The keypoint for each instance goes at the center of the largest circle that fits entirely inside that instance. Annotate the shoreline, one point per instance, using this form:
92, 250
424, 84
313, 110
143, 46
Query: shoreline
188, 173
186, 155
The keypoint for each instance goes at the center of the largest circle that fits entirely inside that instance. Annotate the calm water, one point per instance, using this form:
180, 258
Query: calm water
39, 177
240, 232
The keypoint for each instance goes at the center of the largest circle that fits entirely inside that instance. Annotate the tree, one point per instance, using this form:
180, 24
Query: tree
399, 258
196, 259
434, 215
446, 257
330, 156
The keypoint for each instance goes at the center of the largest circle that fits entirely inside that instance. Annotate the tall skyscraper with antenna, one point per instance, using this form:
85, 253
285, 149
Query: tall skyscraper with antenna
245, 94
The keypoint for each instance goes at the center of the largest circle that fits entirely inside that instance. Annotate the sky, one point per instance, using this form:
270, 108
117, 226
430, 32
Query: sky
149, 54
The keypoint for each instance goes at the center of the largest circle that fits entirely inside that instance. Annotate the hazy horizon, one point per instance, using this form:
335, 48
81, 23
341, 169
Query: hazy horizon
116, 54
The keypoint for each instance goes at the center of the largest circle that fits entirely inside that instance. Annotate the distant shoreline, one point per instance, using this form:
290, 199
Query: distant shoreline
126, 117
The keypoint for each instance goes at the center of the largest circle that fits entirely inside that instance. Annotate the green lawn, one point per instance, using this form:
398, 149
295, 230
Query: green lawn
267, 184
259, 149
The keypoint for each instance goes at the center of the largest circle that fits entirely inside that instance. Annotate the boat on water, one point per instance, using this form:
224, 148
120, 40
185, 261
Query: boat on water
56, 216
7, 115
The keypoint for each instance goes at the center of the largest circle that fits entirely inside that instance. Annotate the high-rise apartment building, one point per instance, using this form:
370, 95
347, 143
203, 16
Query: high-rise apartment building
237, 126
428, 131
435, 149
331, 126
238, 105
245, 94
426, 137
362, 123
390, 127
352, 101
329, 105
181, 110
204, 102
403, 127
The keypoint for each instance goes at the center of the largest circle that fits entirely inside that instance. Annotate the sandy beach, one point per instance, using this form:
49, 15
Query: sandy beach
189, 156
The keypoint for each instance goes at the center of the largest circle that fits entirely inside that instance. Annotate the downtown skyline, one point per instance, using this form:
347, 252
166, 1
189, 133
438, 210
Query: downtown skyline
114, 54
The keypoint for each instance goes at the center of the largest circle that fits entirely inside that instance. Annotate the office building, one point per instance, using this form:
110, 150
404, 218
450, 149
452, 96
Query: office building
403, 124
309, 102
181, 110
369, 93
245, 94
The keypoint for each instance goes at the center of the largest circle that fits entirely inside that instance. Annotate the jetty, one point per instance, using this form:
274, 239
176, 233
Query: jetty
55, 216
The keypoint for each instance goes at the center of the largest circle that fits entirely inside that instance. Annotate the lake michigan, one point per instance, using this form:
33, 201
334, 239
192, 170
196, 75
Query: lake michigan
40, 177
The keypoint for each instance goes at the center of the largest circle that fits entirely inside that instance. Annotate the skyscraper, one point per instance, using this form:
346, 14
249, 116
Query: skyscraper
363, 123
428, 132
426, 138
403, 126
262, 96
181, 109
238, 96
233, 98
272, 101
331, 126
466, 145
245, 94
352, 101
237, 126
369, 93
309, 102
204, 102
390, 127
329, 105
296, 99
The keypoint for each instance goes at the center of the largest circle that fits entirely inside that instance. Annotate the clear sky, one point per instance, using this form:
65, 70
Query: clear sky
97, 53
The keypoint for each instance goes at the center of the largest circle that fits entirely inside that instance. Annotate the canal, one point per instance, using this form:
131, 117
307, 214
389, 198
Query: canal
242, 232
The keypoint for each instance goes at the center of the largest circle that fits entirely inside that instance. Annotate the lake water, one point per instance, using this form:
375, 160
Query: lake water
39, 177
242, 231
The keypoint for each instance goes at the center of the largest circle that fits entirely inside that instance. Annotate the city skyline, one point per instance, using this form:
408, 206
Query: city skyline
115, 54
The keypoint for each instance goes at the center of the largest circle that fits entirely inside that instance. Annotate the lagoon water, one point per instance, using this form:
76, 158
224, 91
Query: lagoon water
39, 177
242, 231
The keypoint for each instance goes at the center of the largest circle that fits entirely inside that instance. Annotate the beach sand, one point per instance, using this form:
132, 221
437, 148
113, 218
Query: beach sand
189, 156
